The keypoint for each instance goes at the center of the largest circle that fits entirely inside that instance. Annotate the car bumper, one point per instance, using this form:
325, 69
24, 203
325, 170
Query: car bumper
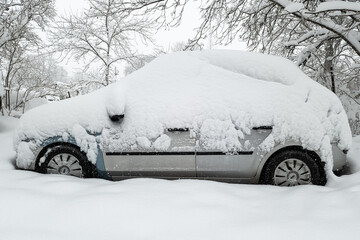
339, 157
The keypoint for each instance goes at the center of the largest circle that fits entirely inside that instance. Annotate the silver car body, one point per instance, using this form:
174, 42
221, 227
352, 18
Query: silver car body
187, 159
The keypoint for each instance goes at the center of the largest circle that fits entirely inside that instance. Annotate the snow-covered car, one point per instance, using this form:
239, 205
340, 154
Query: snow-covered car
221, 115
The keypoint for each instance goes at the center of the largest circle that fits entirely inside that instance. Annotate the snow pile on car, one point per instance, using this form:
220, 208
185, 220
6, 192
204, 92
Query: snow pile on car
220, 95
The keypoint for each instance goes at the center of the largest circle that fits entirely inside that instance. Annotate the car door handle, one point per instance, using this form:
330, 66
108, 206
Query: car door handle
178, 129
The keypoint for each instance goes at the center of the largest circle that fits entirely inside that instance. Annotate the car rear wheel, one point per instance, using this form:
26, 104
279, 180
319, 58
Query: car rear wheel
293, 168
67, 160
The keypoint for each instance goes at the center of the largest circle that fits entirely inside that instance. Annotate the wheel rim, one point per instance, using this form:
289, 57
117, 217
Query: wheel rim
292, 172
65, 164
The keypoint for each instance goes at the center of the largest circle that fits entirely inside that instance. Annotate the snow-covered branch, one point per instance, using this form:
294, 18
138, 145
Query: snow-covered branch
347, 29
105, 33
338, 6
16, 15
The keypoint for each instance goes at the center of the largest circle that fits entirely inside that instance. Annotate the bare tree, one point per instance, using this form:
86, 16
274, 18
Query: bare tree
13, 54
226, 19
104, 33
17, 15
18, 18
32, 76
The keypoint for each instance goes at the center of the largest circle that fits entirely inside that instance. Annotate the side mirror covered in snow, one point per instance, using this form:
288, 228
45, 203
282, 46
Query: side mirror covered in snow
117, 117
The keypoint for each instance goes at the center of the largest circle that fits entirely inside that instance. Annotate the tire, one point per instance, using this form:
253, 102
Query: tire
67, 160
292, 168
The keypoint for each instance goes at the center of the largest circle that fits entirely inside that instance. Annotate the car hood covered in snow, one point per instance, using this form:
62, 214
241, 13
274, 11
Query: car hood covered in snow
218, 94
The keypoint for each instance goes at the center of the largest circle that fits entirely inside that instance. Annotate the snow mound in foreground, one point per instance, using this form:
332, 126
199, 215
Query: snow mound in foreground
218, 94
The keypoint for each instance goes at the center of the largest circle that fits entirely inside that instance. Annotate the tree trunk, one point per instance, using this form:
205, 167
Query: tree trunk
332, 77
328, 65
1, 106
107, 73
7, 99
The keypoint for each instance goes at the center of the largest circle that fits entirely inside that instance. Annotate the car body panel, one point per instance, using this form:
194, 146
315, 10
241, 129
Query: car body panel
239, 164
151, 164
187, 159
339, 157
178, 160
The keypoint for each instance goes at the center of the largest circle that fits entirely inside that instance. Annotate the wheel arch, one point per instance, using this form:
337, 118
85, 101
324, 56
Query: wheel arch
45, 149
98, 168
286, 147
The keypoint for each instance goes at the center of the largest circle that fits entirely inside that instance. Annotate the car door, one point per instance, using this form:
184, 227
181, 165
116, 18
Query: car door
215, 163
175, 162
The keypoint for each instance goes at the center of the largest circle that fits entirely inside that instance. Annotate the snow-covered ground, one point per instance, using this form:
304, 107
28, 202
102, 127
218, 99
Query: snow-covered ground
36, 206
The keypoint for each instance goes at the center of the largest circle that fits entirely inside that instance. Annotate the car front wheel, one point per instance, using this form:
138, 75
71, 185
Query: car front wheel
67, 160
292, 168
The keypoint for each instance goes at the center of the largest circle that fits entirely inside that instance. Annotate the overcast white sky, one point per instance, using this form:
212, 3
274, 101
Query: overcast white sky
63, 6
165, 38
